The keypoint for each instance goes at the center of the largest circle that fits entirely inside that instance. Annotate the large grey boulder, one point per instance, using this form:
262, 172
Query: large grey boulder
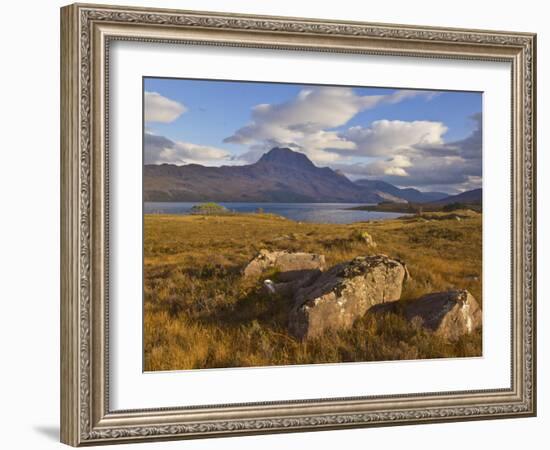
344, 293
449, 314
290, 266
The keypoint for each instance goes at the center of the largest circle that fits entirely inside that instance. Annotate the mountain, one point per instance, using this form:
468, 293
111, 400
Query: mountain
401, 194
475, 196
280, 175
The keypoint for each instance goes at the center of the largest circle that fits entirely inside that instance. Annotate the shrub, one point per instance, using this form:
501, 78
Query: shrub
209, 209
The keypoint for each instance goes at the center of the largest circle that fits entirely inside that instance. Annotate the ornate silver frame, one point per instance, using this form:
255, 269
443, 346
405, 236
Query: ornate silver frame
86, 32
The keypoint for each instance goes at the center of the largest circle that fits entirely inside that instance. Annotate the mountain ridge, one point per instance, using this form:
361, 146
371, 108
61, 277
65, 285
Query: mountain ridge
472, 196
280, 175
407, 194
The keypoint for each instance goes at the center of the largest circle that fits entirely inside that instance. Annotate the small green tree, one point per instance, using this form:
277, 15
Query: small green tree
209, 208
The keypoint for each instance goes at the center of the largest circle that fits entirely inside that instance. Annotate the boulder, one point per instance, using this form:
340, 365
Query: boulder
344, 293
449, 314
290, 266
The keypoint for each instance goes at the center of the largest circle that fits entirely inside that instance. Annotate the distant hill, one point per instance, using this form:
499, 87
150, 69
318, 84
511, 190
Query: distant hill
475, 196
403, 194
469, 200
280, 175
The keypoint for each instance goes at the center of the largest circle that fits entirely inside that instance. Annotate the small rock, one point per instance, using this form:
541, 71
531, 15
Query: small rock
471, 278
363, 236
270, 287
449, 314
291, 266
289, 288
344, 293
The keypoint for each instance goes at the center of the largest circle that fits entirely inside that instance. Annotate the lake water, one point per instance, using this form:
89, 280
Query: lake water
301, 212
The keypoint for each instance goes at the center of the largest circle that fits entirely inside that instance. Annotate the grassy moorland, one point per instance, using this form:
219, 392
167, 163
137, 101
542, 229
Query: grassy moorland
200, 313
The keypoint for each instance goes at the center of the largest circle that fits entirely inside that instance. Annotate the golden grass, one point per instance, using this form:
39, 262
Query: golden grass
200, 313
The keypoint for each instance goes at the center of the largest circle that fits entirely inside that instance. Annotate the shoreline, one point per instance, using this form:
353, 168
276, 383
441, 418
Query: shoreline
419, 208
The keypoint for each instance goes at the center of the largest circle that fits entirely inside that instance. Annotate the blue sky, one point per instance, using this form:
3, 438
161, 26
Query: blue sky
397, 135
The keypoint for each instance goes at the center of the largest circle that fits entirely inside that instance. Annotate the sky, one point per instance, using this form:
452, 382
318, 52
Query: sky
429, 140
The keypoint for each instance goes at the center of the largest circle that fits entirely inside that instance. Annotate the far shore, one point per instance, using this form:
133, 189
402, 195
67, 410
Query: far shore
418, 208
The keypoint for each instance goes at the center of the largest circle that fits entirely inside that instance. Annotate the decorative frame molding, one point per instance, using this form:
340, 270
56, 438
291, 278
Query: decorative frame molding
86, 32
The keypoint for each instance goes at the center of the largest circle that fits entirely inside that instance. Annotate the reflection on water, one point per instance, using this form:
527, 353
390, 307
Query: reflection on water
302, 212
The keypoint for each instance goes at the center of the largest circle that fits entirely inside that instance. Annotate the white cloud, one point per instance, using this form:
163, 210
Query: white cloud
305, 121
447, 174
161, 109
161, 150
414, 154
387, 137
187, 153
395, 166
310, 111
405, 94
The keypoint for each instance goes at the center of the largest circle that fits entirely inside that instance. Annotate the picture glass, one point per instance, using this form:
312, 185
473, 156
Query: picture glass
291, 224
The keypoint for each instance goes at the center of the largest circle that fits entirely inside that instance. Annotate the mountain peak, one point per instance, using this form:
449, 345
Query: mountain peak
287, 157
280, 175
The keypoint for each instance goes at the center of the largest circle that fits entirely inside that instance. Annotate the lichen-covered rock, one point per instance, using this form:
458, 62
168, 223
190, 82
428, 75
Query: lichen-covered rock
291, 266
344, 293
449, 314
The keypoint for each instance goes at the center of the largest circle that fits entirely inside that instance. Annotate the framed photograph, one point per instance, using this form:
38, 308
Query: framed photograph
279, 224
